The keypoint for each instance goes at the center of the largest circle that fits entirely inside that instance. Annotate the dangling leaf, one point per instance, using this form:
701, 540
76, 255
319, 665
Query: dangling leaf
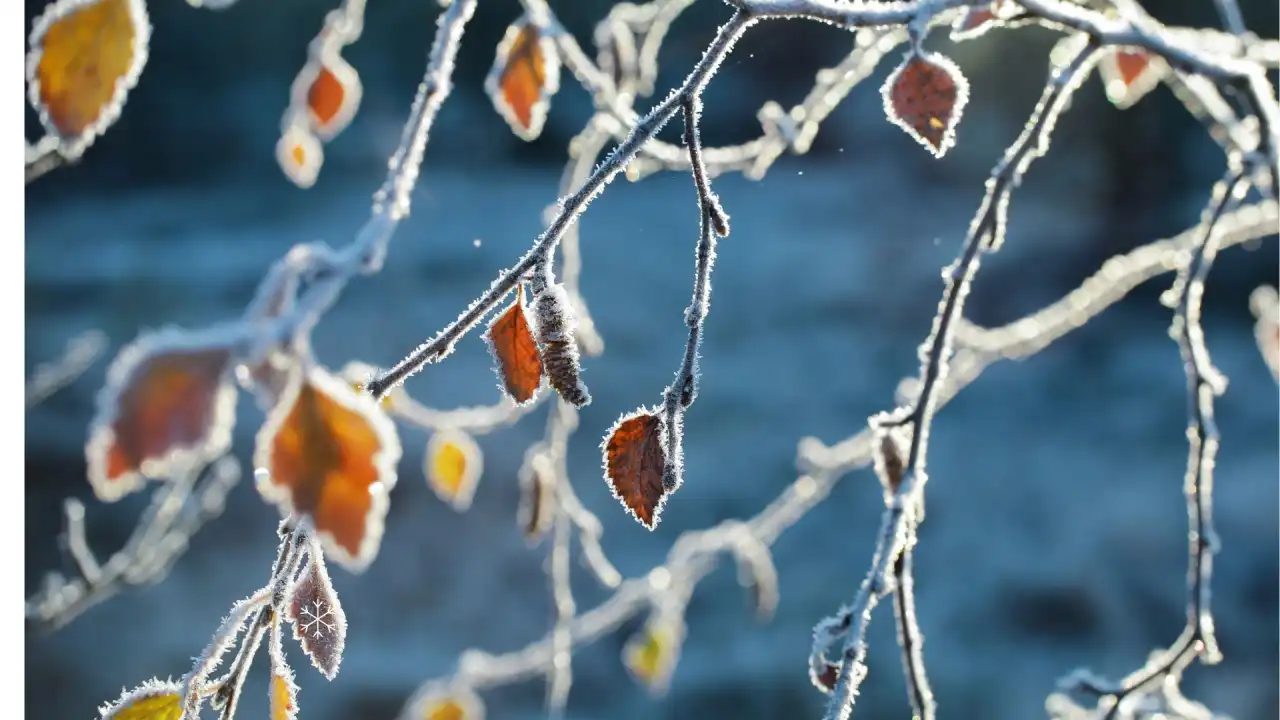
329, 90
319, 624
1130, 73
926, 96
635, 460
525, 74
454, 704
300, 156
651, 654
554, 328
453, 465
85, 57
826, 679
330, 453
152, 700
537, 497
282, 691
515, 351
975, 21
169, 401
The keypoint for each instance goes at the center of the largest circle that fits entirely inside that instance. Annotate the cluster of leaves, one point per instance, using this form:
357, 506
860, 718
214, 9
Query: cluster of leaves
327, 453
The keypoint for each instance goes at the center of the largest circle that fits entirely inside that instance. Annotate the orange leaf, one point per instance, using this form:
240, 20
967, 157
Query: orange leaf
282, 693
926, 96
515, 351
153, 700
300, 156
85, 57
319, 623
328, 452
168, 402
525, 74
329, 90
1128, 74
453, 465
635, 459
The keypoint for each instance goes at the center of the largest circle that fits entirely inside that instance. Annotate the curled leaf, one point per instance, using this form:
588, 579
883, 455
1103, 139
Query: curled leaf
86, 55
826, 678
537, 497
329, 453
282, 692
299, 154
926, 96
525, 74
319, 624
329, 91
169, 401
152, 700
635, 460
515, 351
453, 465
1130, 73
554, 328
651, 654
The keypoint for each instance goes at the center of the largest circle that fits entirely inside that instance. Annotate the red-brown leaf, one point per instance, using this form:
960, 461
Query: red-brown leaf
515, 351
330, 454
319, 624
635, 457
926, 96
525, 74
168, 400
1128, 74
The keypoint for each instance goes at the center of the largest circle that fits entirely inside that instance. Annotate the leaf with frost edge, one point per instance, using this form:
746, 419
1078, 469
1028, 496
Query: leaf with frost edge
551, 85
131, 357
957, 110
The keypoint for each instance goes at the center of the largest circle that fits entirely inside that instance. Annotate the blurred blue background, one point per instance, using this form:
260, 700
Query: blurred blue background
1056, 532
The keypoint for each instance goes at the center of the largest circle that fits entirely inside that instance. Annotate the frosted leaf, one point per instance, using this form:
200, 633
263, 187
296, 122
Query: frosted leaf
926, 96
319, 624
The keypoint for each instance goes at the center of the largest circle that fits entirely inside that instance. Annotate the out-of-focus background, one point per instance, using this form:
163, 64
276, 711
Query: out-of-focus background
1056, 534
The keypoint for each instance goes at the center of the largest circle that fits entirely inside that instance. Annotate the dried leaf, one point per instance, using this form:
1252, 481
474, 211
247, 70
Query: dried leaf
1130, 73
152, 700
635, 459
975, 21
456, 704
651, 655
86, 55
453, 464
282, 691
827, 679
319, 624
328, 89
525, 74
169, 401
926, 96
329, 453
515, 351
554, 328
299, 154
617, 56
537, 497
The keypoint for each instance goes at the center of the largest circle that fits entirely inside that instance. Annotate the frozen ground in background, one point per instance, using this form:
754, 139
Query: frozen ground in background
1056, 527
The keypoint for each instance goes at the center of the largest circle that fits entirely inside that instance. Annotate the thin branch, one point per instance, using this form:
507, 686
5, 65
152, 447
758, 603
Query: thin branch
986, 230
694, 553
570, 208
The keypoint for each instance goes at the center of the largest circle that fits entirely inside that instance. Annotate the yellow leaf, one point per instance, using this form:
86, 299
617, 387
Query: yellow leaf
453, 467
651, 655
85, 57
153, 700
461, 704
